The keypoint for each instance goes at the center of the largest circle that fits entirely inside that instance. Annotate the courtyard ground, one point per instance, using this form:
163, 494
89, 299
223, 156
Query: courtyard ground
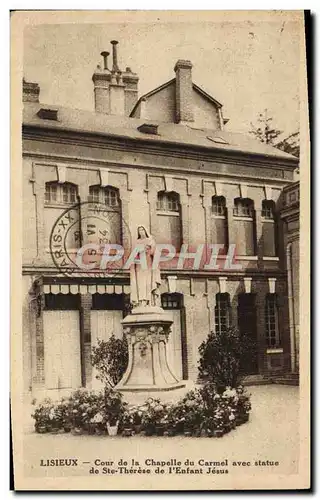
271, 434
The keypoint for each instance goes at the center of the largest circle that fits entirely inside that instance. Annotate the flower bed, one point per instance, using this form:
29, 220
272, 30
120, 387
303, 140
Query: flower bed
202, 412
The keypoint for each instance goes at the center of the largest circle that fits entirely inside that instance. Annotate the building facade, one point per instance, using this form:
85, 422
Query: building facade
290, 215
167, 162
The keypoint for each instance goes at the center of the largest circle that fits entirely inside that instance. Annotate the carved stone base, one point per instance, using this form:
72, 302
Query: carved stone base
148, 373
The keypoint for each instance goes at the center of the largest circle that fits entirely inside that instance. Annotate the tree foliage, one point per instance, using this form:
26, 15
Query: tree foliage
267, 133
223, 356
110, 358
264, 129
290, 144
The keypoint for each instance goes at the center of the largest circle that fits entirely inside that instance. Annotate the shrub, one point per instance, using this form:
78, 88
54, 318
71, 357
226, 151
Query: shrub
153, 413
114, 407
110, 358
222, 356
43, 413
83, 406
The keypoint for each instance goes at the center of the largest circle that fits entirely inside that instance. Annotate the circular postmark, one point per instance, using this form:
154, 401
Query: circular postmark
90, 239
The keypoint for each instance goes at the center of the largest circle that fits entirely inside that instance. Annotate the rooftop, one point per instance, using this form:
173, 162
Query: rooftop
121, 126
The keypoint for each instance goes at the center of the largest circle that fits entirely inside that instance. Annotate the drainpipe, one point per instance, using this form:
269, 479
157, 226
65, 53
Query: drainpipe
291, 308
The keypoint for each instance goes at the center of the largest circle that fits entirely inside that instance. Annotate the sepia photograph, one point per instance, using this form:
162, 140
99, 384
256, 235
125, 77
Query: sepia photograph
160, 182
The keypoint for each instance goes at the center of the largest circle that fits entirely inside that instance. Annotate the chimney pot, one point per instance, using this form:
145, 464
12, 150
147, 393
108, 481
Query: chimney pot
105, 55
115, 66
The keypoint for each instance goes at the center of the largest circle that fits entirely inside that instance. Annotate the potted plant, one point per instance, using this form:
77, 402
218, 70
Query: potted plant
41, 416
114, 409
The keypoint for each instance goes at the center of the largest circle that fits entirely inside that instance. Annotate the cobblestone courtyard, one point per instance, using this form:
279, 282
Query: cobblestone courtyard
271, 434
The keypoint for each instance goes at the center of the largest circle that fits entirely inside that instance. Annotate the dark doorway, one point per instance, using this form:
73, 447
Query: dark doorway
247, 321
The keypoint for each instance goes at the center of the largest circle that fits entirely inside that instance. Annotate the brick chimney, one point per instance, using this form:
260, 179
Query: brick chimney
30, 91
101, 79
184, 104
115, 92
130, 81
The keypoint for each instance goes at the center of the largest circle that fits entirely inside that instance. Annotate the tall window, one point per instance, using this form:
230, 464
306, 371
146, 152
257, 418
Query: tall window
108, 196
267, 211
60, 194
247, 323
271, 321
222, 312
169, 218
108, 228
269, 228
58, 197
244, 226
219, 225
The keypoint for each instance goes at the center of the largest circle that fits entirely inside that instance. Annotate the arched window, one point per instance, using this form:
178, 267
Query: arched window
271, 321
60, 193
269, 228
108, 196
218, 206
244, 226
106, 229
243, 207
219, 223
169, 218
168, 202
222, 312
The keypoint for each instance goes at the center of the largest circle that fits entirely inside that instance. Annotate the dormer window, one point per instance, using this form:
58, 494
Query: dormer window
48, 114
148, 128
217, 139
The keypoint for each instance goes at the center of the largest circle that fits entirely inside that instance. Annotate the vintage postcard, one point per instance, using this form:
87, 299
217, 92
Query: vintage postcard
160, 216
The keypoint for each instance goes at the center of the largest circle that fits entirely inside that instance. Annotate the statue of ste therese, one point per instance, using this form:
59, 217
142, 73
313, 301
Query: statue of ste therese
145, 281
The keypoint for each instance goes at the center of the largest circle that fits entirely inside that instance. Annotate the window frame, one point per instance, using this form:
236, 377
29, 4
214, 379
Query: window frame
60, 189
272, 321
222, 312
164, 202
268, 210
100, 194
220, 203
246, 210
171, 301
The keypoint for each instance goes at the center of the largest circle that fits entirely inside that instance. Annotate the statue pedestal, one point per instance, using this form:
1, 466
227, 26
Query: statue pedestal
148, 373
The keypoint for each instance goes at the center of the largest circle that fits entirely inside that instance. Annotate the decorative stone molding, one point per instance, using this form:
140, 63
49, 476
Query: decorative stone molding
172, 284
104, 176
247, 284
268, 192
168, 180
272, 285
223, 284
243, 190
61, 173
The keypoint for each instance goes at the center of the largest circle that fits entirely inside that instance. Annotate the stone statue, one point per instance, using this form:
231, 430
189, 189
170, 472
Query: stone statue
145, 281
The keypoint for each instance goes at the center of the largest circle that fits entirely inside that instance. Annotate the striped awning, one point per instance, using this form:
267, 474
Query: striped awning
84, 289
